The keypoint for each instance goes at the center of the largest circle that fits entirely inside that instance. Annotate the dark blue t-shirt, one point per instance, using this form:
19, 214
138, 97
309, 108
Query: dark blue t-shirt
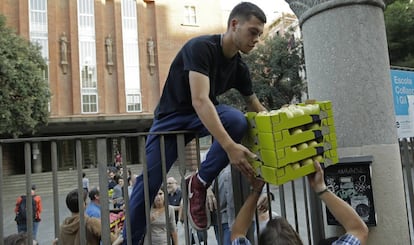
202, 54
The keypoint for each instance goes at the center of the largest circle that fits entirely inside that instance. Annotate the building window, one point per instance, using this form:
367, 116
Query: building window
190, 16
87, 56
89, 102
131, 58
133, 101
38, 30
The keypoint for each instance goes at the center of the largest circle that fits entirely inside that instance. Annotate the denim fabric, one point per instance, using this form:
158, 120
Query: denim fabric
233, 121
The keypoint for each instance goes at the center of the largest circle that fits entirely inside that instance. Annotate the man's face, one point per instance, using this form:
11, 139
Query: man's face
171, 185
111, 174
247, 33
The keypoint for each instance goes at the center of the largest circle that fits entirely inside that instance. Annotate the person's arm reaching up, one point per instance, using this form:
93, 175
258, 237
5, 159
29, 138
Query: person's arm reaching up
340, 209
245, 216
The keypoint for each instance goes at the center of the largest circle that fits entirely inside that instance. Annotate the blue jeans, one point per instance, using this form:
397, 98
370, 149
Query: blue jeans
23, 228
233, 121
226, 233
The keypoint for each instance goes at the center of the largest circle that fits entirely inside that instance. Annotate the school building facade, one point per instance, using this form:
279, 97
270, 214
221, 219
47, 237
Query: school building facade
107, 62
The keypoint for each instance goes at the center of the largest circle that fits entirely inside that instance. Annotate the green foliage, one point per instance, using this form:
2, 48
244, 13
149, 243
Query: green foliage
399, 22
24, 93
274, 68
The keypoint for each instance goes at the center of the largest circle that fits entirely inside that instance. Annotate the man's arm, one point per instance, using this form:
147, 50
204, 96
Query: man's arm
206, 111
340, 209
39, 203
253, 103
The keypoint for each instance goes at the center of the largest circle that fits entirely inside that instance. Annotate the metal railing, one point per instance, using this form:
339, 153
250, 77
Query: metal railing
292, 200
407, 161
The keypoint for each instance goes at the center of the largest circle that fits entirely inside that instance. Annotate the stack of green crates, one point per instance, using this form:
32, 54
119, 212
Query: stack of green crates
288, 140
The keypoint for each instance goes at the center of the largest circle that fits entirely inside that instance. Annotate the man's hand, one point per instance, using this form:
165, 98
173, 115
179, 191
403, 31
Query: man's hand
239, 156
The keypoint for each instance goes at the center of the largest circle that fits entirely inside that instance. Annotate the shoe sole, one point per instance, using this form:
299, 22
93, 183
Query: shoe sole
190, 219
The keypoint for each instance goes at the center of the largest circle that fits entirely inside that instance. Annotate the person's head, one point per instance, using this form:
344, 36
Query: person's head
33, 191
112, 172
159, 199
246, 23
83, 175
279, 231
94, 195
17, 239
119, 180
133, 179
72, 200
171, 185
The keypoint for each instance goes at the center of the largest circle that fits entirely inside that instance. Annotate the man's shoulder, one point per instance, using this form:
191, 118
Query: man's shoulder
210, 37
212, 40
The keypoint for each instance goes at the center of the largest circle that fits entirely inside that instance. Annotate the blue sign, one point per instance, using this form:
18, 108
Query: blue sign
402, 85
403, 92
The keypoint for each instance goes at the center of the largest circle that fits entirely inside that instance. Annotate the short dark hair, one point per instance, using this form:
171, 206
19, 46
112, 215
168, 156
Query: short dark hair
279, 231
16, 239
94, 192
245, 10
72, 200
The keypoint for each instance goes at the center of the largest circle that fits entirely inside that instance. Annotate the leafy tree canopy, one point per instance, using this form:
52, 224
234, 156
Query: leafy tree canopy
24, 93
275, 67
399, 22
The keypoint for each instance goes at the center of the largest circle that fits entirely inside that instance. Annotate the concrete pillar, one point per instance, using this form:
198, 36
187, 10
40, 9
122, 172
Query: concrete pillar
347, 62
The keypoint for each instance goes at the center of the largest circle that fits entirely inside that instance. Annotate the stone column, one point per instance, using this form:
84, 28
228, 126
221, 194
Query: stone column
347, 62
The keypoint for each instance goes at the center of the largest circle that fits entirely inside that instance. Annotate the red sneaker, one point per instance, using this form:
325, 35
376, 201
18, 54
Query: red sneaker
198, 213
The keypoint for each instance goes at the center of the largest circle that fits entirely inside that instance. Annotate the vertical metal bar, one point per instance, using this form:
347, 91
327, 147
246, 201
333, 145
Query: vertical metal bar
103, 190
218, 213
1, 195
317, 218
28, 171
305, 198
282, 201
127, 223
143, 159
81, 201
164, 177
408, 169
182, 169
55, 186
295, 206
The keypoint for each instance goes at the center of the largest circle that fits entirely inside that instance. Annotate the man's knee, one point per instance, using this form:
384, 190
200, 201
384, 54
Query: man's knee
236, 121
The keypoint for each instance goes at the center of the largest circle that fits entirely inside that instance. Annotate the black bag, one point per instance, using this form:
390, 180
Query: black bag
21, 211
